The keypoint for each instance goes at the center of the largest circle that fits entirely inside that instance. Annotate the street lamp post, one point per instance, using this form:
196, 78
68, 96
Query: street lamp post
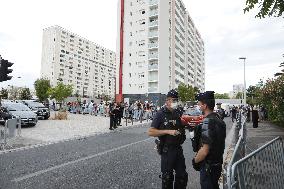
245, 96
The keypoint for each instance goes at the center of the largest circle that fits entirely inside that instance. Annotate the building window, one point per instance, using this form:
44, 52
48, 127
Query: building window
142, 53
142, 22
142, 11
129, 74
141, 43
141, 75
130, 13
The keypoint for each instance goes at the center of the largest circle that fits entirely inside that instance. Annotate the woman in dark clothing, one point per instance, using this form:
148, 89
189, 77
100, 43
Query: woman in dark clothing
255, 117
248, 114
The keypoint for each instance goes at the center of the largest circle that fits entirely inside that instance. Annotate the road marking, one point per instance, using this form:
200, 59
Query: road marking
75, 161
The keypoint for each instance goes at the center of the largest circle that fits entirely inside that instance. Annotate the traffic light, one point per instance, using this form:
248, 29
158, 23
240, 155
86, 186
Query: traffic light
5, 70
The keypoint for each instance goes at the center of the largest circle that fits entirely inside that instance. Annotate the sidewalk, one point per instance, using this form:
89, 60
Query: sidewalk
266, 131
77, 126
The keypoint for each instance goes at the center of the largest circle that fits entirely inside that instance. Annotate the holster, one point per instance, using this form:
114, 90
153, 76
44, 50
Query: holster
195, 144
159, 146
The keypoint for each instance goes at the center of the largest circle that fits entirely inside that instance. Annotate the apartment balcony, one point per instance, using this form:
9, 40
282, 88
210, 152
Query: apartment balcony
153, 13
153, 34
152, 89
153, 23
153, 3
152, 45
153, 56
153, 67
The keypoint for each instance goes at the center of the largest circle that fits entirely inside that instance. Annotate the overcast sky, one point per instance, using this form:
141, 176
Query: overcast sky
226, 31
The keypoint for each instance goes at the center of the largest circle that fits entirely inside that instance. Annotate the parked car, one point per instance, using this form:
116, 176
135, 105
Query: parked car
28, 117
38, 108
192, 117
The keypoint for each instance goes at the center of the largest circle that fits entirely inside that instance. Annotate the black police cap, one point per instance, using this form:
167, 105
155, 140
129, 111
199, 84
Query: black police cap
205, 96
172, 93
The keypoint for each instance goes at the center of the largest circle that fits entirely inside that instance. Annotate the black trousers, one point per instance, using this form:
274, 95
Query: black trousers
209, 176
172, 159
112, 122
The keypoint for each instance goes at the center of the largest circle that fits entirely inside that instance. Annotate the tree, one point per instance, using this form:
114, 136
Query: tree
4, 93
267, 7
221, 96
239, 95
282, 71
13, 93
187, 92
60, 92
25, 94
42, 86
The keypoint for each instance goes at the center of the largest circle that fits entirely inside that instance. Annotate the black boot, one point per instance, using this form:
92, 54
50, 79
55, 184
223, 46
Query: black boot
181, 182
167, 181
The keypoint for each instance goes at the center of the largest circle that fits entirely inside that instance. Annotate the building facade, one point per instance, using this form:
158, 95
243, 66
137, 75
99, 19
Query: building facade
72, 59
158, 48
238, 88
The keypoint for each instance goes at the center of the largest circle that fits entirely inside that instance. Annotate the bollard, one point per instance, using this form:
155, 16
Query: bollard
19, 126
5, 135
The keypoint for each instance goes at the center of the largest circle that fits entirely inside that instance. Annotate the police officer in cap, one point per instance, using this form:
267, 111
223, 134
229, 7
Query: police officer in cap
168, 127
209, 158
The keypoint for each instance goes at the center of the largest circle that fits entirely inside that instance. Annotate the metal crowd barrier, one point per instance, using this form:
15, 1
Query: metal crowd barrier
261, 169
10, 131
239, 149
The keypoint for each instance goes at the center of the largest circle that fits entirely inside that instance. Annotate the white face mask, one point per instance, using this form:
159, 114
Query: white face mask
174, 105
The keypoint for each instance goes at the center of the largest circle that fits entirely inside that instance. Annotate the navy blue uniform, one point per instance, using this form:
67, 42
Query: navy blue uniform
172, 157
213, 134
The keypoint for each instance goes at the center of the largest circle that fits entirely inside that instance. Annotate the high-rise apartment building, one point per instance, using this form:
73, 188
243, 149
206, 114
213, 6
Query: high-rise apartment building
238, 88
158, 48
72, 59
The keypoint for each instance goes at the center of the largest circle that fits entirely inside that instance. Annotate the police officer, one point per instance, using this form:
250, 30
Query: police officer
167, 126
220, 111
209, 158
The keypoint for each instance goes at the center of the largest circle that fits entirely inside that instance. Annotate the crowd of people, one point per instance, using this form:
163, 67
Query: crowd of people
137, 111
253, 113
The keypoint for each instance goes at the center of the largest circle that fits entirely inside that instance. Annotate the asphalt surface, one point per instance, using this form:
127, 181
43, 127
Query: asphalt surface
124, 158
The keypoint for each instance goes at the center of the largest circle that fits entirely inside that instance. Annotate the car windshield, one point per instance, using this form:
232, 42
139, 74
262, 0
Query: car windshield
16, 107
193, 112
35, 104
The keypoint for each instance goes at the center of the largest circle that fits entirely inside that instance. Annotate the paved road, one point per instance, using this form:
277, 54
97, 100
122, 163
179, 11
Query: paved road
120, 159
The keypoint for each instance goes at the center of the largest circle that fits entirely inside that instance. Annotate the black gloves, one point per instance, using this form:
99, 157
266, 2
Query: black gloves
195, 166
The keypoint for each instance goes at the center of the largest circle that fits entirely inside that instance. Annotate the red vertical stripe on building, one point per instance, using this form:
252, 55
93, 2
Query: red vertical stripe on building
121, 47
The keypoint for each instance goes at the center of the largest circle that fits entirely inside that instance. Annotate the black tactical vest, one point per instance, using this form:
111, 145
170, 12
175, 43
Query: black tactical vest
217, 133
172, 121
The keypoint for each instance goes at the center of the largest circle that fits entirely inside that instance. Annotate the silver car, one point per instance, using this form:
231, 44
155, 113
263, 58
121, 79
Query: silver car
38, 108
28, 117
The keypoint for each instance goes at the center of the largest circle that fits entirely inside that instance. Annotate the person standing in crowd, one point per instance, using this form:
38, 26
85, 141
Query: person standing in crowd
234, 113
168, 127
209, 158
139, 110
112, 116
255, 117
120, 113
248, 113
